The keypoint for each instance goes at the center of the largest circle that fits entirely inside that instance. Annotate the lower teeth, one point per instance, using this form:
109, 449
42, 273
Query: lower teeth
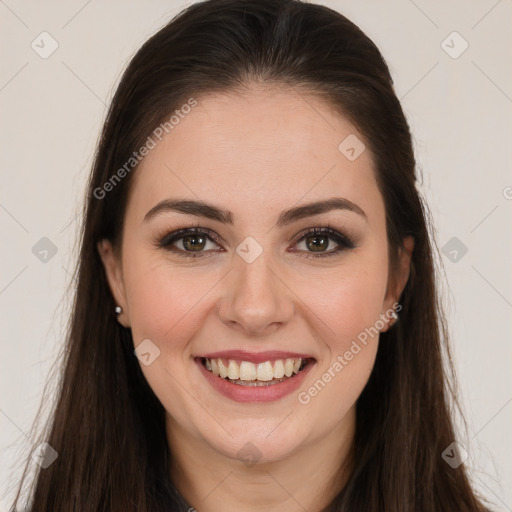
257, 382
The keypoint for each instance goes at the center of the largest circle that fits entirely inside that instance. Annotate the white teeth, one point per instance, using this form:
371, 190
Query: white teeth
233, 370
279, 368
223, 371
265, 371
248, 371
288, 367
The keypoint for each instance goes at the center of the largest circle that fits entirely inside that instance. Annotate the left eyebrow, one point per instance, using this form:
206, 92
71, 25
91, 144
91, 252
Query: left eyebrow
307, 210
202, 209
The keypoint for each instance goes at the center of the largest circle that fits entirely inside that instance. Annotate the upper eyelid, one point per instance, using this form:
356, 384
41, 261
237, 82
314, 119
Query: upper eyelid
180, 233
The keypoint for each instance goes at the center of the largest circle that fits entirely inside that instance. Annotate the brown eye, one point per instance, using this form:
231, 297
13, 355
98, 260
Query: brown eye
199, 242
323, 242
190, 242
194, 242
317, 243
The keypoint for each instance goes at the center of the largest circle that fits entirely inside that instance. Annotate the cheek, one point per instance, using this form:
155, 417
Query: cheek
347, 299
348, 303
167, 306
350, 341
167, 301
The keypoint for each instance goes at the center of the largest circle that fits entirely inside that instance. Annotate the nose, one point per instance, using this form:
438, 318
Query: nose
256, 299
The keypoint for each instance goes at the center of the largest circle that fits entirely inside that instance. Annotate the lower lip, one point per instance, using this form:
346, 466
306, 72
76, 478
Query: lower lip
241, 393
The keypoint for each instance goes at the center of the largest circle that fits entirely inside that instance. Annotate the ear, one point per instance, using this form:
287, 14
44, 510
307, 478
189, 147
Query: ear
114, 272
399, 280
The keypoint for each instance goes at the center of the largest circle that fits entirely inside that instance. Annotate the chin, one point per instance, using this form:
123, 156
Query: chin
266, 443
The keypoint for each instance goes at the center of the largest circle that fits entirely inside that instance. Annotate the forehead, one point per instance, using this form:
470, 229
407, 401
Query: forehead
243, 149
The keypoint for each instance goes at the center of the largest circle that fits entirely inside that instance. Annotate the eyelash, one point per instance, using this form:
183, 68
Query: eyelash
165, 241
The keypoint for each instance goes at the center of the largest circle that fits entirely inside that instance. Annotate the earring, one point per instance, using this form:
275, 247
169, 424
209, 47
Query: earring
118, 310
394, 318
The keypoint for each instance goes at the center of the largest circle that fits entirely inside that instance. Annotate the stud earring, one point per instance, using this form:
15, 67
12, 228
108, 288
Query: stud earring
118, 310
394, 319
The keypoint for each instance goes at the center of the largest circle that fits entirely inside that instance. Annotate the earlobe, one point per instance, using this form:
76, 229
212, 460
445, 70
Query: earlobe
113, 271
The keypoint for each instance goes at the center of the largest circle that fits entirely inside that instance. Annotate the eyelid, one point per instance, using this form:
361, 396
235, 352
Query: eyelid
168, 237
339, 237
346, 240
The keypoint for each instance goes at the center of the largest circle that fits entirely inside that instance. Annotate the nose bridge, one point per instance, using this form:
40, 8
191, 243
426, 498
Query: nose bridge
255, 297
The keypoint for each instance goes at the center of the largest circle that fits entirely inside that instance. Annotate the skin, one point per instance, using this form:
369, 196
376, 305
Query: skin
256, 153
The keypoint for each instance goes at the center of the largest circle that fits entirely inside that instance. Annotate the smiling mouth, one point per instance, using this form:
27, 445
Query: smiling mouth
246, 373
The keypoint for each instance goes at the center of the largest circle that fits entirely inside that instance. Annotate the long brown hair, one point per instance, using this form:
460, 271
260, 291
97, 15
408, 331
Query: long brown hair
107, 425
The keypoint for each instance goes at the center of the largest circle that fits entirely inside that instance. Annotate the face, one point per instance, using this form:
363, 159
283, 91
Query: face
256, 283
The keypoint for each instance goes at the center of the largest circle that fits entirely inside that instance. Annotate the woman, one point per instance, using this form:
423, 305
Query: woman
256, 324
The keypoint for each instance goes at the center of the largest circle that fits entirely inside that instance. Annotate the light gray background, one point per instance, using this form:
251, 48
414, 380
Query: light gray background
460, 114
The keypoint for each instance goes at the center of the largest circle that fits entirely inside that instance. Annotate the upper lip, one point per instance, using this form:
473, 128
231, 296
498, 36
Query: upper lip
255, 357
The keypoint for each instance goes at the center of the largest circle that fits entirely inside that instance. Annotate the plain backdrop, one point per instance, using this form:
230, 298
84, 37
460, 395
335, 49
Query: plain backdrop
458, 102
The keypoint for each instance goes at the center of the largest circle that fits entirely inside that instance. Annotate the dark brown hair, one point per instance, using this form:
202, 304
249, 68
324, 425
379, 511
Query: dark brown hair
107, 425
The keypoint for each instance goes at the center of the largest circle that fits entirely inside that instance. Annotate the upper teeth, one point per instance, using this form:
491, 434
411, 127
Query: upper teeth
250, 371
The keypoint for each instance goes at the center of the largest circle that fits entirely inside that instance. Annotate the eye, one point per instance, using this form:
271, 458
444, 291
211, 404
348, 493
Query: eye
316, 242
189, 242
198, 242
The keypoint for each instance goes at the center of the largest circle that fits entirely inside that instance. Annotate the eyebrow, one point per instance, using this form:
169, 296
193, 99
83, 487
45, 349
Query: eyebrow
202, 209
